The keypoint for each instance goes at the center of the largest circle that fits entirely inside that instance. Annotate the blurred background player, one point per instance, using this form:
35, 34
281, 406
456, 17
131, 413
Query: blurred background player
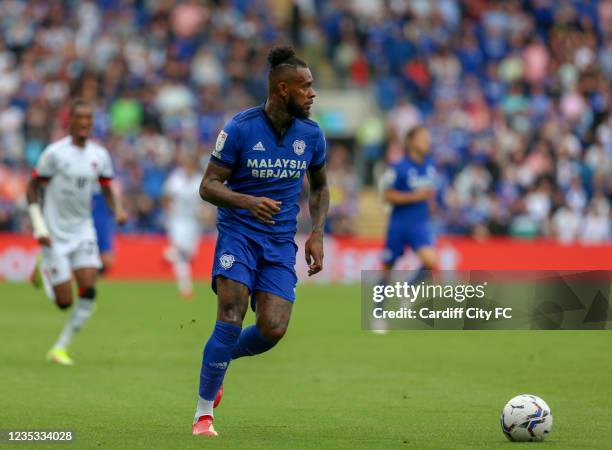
410, 187
68, 172
104, 223
184, 215
255, 178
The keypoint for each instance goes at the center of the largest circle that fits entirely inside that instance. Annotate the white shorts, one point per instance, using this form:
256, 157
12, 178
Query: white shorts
58, 266
184, 236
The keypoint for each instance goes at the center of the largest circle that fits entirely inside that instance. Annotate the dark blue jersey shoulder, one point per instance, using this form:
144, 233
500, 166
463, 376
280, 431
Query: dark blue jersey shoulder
311, 123
251, 113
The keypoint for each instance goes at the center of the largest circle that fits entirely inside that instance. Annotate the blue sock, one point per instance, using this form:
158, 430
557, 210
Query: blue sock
217, 356
251, 342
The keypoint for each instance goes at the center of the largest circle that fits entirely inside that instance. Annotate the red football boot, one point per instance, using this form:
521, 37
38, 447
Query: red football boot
204, 424
204, 427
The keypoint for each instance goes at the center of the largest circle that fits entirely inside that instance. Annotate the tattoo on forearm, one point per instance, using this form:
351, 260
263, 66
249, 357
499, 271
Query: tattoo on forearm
319, 205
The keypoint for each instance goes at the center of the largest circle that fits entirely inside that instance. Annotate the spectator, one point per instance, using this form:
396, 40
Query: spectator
514, 92
566, 224
596, 226
342, 192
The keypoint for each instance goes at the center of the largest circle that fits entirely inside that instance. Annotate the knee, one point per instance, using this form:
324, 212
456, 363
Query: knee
273, 333
231, 314
63, 301
63, 296
231, 318
232, 301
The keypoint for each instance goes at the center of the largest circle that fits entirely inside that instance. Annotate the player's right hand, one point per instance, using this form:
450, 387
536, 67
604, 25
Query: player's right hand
264, 208
45, 241
426, 193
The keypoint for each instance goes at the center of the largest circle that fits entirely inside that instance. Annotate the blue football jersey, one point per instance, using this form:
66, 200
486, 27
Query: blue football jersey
265, 164
406, 176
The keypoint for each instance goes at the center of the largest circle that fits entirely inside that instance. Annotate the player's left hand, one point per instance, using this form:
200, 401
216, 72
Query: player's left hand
121, 216
314, 252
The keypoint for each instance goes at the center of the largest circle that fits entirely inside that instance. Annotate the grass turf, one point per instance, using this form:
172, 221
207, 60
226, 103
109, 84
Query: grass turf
328, 385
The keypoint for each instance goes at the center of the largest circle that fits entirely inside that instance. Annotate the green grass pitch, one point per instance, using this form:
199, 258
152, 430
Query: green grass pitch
328, 385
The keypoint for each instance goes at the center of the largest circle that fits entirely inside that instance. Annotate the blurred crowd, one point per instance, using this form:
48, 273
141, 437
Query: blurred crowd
516, 93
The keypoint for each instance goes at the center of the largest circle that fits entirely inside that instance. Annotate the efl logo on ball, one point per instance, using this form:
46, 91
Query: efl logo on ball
227, 261
298, 147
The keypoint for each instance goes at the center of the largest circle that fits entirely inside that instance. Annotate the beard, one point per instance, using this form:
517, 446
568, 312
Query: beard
296, 110
79, 135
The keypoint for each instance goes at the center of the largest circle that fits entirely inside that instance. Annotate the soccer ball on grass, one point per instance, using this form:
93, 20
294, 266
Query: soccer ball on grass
526, 418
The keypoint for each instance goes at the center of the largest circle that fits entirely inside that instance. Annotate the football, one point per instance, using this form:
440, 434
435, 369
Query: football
526, 418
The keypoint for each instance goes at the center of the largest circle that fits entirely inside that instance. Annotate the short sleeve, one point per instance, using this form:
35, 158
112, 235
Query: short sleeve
227, 146
318, 159
392, 179
46, 166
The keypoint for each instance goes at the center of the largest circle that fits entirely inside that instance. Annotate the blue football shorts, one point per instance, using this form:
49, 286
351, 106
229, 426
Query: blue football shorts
260, 262
400, 236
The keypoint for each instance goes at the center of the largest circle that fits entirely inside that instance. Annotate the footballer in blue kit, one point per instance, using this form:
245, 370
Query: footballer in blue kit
104, 223
410, 187
255, 178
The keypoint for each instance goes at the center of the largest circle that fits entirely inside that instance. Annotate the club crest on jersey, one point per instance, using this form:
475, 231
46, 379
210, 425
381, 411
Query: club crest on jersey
298, 147
227, 261
220, 143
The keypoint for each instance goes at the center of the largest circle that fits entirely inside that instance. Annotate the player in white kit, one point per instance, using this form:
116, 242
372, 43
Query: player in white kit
68, 171
184, 213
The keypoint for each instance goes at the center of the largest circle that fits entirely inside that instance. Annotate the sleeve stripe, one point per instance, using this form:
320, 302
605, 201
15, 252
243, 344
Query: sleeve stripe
220, 162
35, 174
105, 181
